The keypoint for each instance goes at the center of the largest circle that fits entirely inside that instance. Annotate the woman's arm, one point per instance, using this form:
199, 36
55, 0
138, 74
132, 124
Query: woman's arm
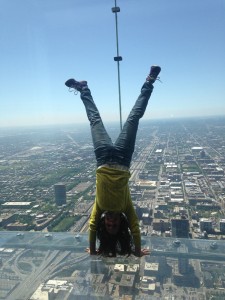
134, 226
141, 252
94, 219
135, 230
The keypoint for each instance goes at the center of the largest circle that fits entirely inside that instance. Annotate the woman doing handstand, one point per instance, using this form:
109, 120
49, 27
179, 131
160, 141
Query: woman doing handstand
113, 220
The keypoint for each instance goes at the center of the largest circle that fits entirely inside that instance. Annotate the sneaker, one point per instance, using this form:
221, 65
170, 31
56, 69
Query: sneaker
77, 85
153, 75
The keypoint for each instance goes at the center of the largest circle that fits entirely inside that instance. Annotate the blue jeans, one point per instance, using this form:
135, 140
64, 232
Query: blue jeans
122, 150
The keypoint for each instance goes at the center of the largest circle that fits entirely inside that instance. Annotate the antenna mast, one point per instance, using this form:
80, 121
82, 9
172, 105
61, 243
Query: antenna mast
118, 58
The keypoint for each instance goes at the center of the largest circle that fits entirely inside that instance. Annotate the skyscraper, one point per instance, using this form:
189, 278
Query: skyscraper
60, 194
180, 228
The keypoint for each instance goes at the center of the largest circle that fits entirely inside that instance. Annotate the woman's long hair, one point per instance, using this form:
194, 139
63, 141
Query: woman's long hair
121, 243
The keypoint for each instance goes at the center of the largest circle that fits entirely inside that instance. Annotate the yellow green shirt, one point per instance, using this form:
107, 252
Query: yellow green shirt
113, 194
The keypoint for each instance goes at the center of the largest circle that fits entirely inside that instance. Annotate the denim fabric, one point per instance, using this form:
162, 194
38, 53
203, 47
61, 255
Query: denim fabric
122, 150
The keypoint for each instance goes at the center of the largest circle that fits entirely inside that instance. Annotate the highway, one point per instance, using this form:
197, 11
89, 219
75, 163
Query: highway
26, 288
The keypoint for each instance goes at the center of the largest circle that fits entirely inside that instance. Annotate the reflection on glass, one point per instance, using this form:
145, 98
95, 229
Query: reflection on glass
36, 267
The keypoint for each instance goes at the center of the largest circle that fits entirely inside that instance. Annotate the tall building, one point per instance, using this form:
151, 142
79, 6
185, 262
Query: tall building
180, 228
60, 194
183, 265
222, 225
206, 225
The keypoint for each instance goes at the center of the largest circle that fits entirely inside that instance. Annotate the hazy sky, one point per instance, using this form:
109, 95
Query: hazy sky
45, 42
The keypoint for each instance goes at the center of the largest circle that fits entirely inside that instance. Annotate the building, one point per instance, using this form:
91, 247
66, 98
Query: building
183, 265
222, 225
17, 205
196, 150
180, 228
161, 225
52, 289
146, 219
148, 284
60, 194
7, 219
151, 269
97, 266
206, 225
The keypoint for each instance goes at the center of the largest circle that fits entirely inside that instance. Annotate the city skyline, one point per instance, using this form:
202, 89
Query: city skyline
45, 43
177, 185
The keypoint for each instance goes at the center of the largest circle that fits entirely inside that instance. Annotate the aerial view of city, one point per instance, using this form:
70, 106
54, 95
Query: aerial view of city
47, 190
159, 221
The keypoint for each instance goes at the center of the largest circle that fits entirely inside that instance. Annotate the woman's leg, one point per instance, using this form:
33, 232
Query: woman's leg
124, 145
121, 152
103, 146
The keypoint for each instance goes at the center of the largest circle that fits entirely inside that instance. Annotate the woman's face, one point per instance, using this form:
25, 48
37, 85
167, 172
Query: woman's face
112, 223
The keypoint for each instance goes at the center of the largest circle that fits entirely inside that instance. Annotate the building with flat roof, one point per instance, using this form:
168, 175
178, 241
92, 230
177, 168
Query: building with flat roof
222, 225
17, 204
151, 269
180, 228
206, 225
60, 194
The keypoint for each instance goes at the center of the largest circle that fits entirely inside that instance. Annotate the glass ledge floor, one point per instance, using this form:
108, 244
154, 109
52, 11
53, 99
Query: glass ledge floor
40, 266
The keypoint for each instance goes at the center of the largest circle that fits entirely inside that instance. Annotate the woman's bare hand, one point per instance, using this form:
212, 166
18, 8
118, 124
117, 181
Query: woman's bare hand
144, 251
91, 253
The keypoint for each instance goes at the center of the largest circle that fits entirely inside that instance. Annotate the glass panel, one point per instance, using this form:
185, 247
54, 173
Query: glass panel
56, 266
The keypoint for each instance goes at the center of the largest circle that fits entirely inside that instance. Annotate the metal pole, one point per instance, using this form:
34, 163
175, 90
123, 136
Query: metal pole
118, 58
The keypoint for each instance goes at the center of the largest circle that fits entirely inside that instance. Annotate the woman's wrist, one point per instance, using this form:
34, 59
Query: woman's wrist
137, 251
92, 248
